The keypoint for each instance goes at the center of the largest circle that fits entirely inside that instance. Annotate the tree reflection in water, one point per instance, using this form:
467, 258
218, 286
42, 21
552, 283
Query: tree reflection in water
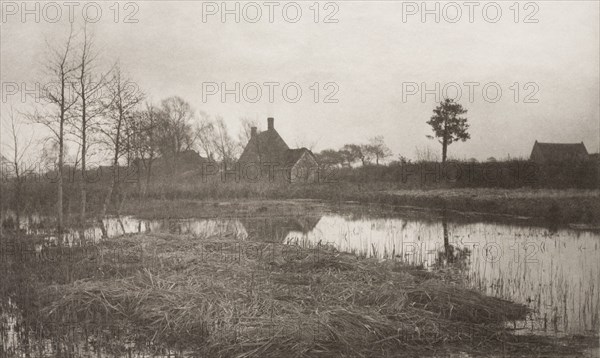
451, 256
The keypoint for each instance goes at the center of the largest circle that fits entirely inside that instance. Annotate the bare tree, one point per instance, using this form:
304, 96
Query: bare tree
17, 150
55, 114
175, 133
355, 152
88, 87
346, 157
224, 143
246, 132
124, 97
178, 115
331, 157
144, 142
378, 149
303, 142
205, 136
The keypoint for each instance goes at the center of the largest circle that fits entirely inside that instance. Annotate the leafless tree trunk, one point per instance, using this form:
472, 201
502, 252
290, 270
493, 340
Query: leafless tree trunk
91, 106
177, 134
224, 144
60, 69
18, 152
149, 148
205, 136
124, 98
246, 132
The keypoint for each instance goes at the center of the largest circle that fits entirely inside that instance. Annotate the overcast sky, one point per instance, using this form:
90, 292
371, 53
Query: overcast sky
372, 54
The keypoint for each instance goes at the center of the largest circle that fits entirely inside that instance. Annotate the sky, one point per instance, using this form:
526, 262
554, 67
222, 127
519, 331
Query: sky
371, 62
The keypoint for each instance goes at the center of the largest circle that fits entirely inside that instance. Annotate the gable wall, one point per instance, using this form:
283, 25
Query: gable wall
305, 170
536, 154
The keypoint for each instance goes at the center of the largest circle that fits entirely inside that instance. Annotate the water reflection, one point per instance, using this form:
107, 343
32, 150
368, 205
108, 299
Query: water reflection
555, 272
265, 228
451, 256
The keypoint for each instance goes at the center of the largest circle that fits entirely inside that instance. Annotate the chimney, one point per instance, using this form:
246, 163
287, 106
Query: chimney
270, 123
252, 132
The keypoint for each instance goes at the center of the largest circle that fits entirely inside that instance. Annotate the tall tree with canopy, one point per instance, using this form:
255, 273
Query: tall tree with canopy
448, 124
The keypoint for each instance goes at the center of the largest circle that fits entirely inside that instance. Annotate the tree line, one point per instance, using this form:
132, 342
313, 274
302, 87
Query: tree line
447, 124
103, 112
375, 151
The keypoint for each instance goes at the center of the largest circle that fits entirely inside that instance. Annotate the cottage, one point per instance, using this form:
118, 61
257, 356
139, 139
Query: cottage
181, 162
269, 151
557, 152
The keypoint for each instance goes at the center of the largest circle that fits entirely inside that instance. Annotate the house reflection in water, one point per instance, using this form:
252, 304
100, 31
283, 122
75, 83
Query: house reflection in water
278, 228
203, 228
264, 229
552, 271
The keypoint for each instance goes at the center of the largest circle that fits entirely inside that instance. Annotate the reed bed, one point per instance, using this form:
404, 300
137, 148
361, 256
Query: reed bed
206, 297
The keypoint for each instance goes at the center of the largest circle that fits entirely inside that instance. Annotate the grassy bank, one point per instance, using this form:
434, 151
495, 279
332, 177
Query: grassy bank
364, 185
543, 206
221, 298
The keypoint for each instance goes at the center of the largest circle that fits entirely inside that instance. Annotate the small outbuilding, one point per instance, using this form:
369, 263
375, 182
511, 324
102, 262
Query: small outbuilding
558, 152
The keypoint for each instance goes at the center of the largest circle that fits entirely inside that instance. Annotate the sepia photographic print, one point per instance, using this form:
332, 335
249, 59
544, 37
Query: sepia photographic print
294, 179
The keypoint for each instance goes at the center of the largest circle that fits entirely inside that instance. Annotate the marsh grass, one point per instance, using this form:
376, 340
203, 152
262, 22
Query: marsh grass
205, 297
546, 206
551, 199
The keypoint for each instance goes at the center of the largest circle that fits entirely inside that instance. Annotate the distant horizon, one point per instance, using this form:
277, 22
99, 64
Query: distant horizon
97, 161
376, 71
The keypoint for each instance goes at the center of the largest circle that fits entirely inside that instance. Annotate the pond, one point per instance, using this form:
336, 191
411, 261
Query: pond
554, 272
